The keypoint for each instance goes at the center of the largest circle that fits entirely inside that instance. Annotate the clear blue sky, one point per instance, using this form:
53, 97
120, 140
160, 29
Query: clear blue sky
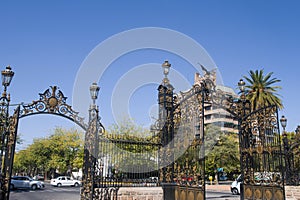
46, 42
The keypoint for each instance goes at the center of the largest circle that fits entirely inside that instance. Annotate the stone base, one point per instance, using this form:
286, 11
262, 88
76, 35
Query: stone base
140, 193
156, 193
263, 192
176, 192
292, 192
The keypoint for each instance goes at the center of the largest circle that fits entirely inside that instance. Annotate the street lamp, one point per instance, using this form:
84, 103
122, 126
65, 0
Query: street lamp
166, 67
241, 85
94, 90
286, 149
6, 76
283, 122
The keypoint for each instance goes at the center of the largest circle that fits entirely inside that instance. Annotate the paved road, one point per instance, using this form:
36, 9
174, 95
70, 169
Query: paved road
48, 193
73, 193
221, 195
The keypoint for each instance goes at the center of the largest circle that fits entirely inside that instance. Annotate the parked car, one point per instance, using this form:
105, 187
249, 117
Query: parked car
153, 179
65, 181
223, 178
236, 185
39, 177
25, 182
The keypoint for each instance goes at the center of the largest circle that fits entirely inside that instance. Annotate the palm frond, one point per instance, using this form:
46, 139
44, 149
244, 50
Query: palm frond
260, 89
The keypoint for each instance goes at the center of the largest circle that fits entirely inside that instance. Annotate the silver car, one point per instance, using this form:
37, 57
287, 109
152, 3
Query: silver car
25, 182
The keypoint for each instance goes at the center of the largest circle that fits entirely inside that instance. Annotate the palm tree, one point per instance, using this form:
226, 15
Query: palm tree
260, 90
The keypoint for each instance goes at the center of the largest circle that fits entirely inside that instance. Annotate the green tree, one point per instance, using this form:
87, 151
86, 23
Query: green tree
66, 147
24, 162
40, 151
261, 91
294, 147
222, 151
63, 151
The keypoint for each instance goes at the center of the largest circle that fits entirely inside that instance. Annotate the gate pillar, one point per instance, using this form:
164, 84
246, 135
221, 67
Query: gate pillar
181, 119
91, 149
9, 154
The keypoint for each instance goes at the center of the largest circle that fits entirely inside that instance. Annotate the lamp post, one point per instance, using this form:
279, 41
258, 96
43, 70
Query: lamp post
6, 76
166, 67
283, 122
94, 90
286, 149
91, 149
94, 118
241, 85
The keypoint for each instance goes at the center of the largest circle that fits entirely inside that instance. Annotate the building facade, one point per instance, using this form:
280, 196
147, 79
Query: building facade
214, 114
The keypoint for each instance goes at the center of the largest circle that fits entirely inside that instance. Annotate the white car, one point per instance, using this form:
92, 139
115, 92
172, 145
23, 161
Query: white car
25, 182
236, 186
65, 181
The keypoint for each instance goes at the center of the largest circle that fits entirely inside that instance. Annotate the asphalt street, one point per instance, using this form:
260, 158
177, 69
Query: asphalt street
221, 195
73, 193
48, 193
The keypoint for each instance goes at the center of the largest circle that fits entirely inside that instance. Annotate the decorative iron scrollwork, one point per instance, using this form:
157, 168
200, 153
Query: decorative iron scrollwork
53, 101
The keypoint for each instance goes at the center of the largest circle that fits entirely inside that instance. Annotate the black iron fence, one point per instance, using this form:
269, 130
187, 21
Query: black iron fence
291, 152
127, 161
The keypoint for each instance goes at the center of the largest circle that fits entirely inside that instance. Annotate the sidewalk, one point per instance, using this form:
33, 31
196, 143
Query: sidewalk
220, 187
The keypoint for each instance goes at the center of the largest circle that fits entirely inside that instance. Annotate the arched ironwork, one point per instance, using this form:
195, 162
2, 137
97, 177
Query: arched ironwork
53, 101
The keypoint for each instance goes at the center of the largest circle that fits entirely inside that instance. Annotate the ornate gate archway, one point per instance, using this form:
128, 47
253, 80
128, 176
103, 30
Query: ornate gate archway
183, 178
53, 102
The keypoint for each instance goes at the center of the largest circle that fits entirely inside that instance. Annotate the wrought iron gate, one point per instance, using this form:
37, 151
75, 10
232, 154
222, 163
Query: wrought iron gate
182, 154
259, 138
261, 154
